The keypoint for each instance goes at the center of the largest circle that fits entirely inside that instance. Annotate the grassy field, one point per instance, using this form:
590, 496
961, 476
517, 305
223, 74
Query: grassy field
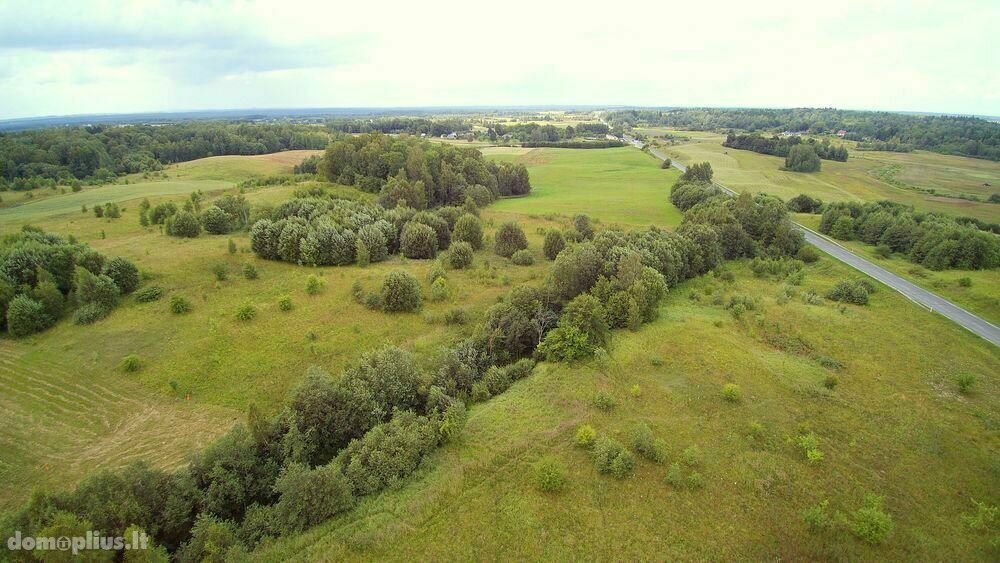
894, 425
620, 185
866, 176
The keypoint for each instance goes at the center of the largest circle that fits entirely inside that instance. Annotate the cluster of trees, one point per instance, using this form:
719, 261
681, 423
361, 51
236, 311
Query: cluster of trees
229, 213
535, 134
99, 153
934, 241
44, 277
424, 174
967, 136
412, 125
782, 146
579, 144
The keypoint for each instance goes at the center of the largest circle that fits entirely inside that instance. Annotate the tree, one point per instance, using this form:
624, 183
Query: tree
310, 496
509, 239
698, 172
400, 292
587, 314
98, 290
374, 240
215, 221
26, 316
575, 271
418, 241
123, 273
469, 228
185, 224
554, 244
460, 255
802, 158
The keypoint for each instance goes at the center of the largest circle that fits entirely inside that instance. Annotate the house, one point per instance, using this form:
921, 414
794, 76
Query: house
841, 133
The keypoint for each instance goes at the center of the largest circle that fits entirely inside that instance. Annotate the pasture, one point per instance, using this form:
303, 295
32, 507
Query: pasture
618, 186
866, 176
892, 424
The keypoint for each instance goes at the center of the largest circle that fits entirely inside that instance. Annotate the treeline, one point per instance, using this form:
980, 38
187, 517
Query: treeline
538, 133
934, 241
423, 174
602, 144
99, 153
44, 277
412, 125
966, 136
781, 146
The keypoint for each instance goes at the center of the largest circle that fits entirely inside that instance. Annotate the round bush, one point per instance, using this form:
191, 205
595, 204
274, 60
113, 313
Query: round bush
123, 273
585, 436
246, 312
285, 303
313, 284
185, 224
460, 255
469, 229
131, 364
550, 476
91, 313
523, 258
418, 241
731, 392
26, 316
509, 239
554, 244
400, 292
250, 271
374, 239
148, 294
215, 221
179, 305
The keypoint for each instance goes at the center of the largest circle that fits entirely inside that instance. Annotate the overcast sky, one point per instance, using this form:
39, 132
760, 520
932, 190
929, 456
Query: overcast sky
82, 56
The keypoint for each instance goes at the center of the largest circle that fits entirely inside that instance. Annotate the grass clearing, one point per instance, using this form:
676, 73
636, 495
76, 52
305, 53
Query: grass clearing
619, 185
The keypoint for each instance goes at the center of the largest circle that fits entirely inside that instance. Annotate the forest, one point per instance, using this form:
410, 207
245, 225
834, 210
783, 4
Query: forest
99, 153
434, 127
780, 146
958, 135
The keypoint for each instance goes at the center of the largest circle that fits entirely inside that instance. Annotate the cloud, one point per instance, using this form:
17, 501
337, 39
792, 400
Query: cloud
104, 56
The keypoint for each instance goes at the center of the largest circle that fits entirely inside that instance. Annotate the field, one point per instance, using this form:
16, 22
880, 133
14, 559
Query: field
621, 185
894, 425
866, 176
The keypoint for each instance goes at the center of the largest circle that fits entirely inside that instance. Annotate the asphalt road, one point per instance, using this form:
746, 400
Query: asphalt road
930, 300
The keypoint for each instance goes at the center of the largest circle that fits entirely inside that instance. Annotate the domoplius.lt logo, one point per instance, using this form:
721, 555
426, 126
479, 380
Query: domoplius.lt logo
91, 541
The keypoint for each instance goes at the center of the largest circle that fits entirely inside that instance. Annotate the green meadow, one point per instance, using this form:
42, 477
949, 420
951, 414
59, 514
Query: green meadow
619, 186
866, 176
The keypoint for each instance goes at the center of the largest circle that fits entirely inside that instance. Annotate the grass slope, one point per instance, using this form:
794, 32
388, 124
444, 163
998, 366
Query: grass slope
619, 185
861, 178
895, 426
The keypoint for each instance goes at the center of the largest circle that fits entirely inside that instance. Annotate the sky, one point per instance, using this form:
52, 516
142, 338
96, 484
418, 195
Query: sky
87, 56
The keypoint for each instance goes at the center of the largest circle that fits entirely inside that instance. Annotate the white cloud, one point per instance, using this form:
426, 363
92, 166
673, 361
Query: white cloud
102, 56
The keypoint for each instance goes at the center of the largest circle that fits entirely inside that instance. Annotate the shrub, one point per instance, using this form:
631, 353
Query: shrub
179, 305
285, 303
817, 518
809, 443
418, 241
583, 225
310, 496
635, 391
871, 523
123, 273
184, 224
966, 382
523, 258
149, 293
965, 282
246, 312
362, 255
610, 456
439, 290
47, 293
100, 290
585, 436
460, 255
400, 292
731, 392
313, 284
695, 480
650, 447
232, 246
854, 291
90, 313
215, 221
808, 254
469, 229
566, 344
586, 314
550, 476
374, 239
509, 239
221, 272
480, 392
675, 476
691, 456
554, 244
456, 316
604, 401
130, 364
436, 271
26, 316
250, 271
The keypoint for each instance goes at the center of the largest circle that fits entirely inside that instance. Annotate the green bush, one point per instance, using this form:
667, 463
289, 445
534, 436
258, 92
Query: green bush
310, 496
53, 302
604, 401
123, 273
456, 316
480, 392
100, 290
650, 447
965, 282
808, 254
439, 290
853, 291
418, 241
523, 258
285, 303
695, 480
585, 436
871, 523
131, 363
731, 392
675, 476
966, 382
250, 271
246, 312
184, 224
460, 255
509, 239
179, 305
691, 456
554, 244
90, 313
550, 476
610, 456
313, 284
400, 292
817, 518
583, 225
26, 316
149, 294
566, 344
388, 452
232, 246
215, 221
469, 229
221, 272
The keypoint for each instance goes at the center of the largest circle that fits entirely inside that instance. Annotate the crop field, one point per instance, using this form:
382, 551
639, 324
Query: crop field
619, 186
893, 424
866, 176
